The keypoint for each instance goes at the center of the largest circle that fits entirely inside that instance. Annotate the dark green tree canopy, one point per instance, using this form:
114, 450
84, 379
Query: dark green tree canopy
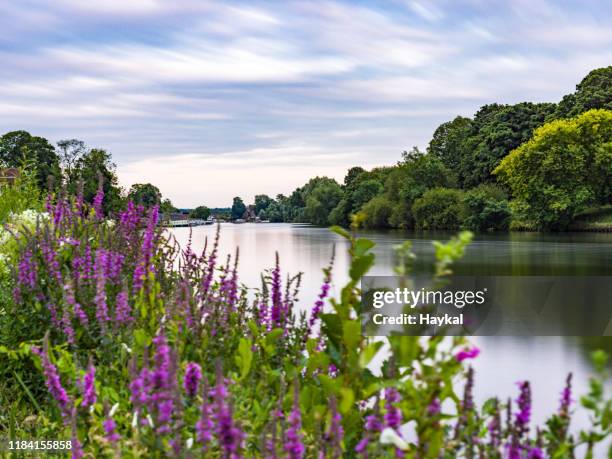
201, 212
92, 167
238, 208
19, 148
146, 194
594, 91
262, 202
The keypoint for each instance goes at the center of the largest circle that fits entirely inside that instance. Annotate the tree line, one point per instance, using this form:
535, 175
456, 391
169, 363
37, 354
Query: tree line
527, 165
72, 167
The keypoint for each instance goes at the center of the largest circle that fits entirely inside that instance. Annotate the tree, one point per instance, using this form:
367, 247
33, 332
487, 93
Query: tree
321, 195
594, 91
146, 194
238, 208
449, 143
376, 213
94, 166
262, 202
564, 168
200, 212
495, 132
70, 150
18, 148
439, 208
486, 208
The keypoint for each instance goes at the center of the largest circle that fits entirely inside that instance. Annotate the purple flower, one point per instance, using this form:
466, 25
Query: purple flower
434, 407
228, 433
467, 354
372, 426
566, 397
204, 426
294, 447
110, 430
146, 250
276, 309
123, 312
100, 299
27, 274
53, 382
535, 453
89, 387
335, 433
193, 375
524, 404
98, 200
318, 306
393, 416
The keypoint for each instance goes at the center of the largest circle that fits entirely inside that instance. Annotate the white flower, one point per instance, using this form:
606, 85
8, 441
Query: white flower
126, 347
189, 443
113, 410
390, 437
135, 419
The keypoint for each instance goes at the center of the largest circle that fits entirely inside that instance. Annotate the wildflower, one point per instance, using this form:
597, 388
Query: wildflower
318, 306
434, 408
566, 397
123, 312
393, 416
204, 426
53, 381
372, 425
27, 274
89, 387
146, 250
110, 430
98, 200
229, 435
467, 354
335, 432
276, 308
100, 299
294, 446
193, 375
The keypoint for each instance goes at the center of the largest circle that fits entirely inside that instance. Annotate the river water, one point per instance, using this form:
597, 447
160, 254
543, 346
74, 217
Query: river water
545, 361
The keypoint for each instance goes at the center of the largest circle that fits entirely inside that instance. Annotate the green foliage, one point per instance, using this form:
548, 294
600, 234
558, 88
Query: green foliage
376, 213
486, 208
262, 202
565, 168
321, 195
439, 208
145, 194
21, 195
238, 208
91, 169
201, 212
594, 91
20, 147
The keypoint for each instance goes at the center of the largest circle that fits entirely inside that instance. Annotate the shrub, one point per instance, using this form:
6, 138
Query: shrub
439, 208
377, 212
486, 208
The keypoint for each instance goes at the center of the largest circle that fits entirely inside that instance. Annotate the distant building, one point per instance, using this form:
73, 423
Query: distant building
249, 214
8, 175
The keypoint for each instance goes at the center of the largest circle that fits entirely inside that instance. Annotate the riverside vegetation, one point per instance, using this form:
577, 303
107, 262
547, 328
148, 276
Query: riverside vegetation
116, 339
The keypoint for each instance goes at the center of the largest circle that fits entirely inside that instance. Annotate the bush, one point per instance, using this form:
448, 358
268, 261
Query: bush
377, 212
486, 208
439, 208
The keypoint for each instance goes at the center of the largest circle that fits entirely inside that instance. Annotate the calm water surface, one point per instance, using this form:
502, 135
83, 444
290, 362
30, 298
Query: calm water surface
545, 361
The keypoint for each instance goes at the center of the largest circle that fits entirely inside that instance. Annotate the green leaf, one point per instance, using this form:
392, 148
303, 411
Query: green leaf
360, 266
362, 246
340, 231
244, 357
351, 333
347, 397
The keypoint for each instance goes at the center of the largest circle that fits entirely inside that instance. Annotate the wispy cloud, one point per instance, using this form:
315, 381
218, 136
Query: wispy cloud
238, 92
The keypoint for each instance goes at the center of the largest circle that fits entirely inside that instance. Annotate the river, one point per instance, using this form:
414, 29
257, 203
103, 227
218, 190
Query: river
545, 361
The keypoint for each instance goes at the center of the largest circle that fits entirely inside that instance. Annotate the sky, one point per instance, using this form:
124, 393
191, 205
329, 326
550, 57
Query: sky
210, 100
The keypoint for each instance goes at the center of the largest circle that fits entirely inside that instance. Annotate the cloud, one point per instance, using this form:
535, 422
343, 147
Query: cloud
201, 92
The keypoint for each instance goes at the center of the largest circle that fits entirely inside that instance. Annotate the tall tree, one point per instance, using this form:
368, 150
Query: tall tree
89, 169
70, 150
145, 194
594, 91
238, 208
20, 147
